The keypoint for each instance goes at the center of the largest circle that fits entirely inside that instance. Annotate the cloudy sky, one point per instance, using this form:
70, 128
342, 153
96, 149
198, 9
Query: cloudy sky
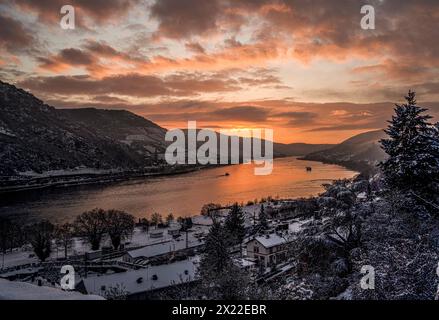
302, 67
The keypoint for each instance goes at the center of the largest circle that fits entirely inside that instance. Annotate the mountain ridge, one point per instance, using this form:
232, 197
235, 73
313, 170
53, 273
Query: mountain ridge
361, 152
36, 137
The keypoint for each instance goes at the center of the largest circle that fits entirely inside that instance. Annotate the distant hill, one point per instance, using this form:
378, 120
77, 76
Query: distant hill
299, 149
36, 138
279, 149
141, 135
361, 152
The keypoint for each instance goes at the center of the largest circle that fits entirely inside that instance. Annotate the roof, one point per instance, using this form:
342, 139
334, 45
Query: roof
202, 220
163, 248
271, 240
12, 290
167, 275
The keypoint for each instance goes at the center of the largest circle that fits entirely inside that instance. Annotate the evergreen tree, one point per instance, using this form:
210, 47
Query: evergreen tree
216, 256
412, 164
221, 278
263, 223
234, 225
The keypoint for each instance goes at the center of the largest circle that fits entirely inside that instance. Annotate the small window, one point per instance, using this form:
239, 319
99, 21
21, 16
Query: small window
256, 249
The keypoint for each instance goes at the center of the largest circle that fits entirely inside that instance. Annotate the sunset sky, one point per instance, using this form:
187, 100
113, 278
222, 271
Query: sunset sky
304, 68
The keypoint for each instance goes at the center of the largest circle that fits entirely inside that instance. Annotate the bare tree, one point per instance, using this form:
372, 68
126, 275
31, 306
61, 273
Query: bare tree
119, 226
210, 210
91, 225
170, 218
64, 237
156, 219
40, 236
6, 237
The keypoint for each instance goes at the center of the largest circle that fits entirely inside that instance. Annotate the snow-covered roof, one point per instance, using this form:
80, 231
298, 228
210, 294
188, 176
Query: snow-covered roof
271, 240
12, 290
244, 262
142, 280
202, 220
162, 248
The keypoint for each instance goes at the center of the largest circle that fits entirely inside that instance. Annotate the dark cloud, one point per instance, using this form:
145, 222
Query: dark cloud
100, 11
75, 57
237, 113
243, 113
298, 118
89, 54
130, 85
100, 48
179, 18
195, 47
14, 37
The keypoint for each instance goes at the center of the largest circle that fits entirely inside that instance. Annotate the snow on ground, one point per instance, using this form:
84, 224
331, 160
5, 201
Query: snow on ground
12, 290
18, 258
140, 238
152, 277
296, 226
6, 132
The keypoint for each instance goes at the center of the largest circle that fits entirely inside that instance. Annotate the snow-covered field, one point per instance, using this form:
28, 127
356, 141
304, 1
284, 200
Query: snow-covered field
12, 290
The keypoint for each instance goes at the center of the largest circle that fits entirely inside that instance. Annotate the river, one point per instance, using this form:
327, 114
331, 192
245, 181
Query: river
183, 195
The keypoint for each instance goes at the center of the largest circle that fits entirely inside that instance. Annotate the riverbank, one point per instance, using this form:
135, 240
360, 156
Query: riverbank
93, 177
23, 183
363, 167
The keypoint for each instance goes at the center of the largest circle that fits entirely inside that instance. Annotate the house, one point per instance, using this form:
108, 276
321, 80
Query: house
268, 250
143, 283
156, 233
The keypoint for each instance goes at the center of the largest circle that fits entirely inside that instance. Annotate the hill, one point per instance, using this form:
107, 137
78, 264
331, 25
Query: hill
299, 149
36, 138
361, 152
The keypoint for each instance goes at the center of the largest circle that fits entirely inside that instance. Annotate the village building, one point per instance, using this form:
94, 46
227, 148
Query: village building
143, 283
166, 248
268, 250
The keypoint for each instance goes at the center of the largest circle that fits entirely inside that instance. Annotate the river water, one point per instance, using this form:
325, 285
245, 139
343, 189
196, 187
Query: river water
183, 195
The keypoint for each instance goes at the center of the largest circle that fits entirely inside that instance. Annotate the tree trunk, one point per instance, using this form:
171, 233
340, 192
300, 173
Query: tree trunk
115, 240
